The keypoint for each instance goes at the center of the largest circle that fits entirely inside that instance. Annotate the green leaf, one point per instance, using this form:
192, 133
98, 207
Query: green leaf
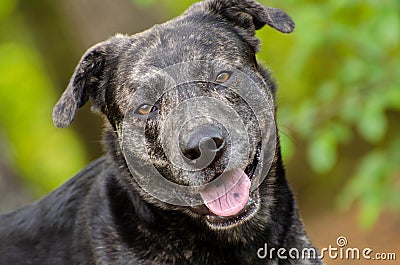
353, 70
371, 207
388, 27
351, 110
369, 187
322, 152
306, 117
341, 131
328, 91
392, 96
372, 124
287, 146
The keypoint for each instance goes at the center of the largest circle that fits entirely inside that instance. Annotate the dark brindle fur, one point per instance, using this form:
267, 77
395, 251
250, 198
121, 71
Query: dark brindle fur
102, 215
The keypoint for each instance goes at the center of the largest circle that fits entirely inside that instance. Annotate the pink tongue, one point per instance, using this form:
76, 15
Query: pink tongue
229, 195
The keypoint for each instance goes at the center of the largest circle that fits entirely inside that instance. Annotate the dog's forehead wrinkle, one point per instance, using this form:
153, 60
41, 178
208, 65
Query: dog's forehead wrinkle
174, 42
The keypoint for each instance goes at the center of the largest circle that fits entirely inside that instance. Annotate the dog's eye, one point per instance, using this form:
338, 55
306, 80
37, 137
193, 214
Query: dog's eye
145, 109
223, 77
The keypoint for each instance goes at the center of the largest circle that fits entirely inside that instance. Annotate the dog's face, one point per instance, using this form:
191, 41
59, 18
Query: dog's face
192, 111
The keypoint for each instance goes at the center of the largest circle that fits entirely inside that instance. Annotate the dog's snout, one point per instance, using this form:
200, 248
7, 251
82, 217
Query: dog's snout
206, 144
203, 144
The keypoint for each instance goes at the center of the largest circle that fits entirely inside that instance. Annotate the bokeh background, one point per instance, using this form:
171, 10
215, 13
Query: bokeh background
339, 105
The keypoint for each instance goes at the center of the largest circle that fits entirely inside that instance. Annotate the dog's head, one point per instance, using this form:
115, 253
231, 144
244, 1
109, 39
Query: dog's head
190, 107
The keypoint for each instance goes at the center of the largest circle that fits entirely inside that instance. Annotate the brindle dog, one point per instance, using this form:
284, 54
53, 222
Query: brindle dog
193, 171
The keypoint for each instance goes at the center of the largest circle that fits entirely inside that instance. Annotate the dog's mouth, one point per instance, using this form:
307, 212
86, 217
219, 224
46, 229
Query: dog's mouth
230, 201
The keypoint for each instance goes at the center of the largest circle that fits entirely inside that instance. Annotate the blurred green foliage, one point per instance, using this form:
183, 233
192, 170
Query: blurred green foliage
27, 95
339, 74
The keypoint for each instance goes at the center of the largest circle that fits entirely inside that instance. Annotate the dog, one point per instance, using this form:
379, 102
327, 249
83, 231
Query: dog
192, 173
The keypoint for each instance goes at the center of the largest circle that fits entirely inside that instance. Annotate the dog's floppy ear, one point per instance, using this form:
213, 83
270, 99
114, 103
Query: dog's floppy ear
80, 85
247, 12
85, 81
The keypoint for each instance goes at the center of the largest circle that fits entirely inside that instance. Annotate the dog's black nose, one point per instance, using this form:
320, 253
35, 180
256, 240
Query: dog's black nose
203, 145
